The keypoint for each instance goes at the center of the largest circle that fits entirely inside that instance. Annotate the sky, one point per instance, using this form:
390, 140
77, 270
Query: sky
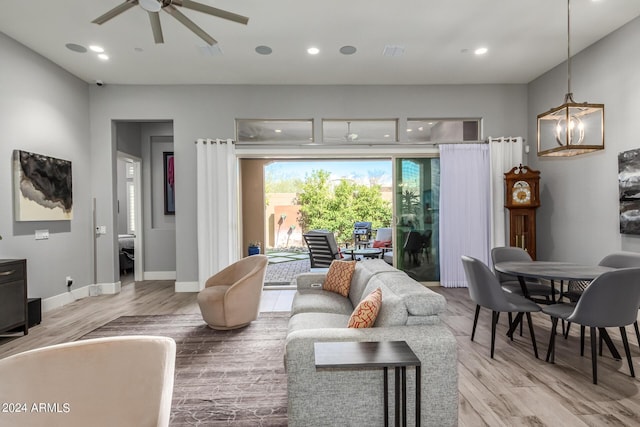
358, 170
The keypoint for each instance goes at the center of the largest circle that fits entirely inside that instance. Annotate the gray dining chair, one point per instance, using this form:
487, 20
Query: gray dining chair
611, 300
614, 260
485, 291
511, 284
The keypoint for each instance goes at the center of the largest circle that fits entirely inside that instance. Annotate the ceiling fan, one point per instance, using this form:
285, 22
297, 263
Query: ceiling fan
153, 7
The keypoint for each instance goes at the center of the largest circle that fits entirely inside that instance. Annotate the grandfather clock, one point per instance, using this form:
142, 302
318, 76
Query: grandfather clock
522, 198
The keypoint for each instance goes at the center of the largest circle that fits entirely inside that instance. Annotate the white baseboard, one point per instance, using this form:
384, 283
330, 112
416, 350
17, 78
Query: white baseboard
110, 288
159, 275
60, 300
187, 287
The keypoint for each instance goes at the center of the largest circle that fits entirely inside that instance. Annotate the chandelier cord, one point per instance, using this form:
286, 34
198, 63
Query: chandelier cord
569, 96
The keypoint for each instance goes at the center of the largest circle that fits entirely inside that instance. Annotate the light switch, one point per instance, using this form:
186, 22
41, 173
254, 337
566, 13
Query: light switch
42, 234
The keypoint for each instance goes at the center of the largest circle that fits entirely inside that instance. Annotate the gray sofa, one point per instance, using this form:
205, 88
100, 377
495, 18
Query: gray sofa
410, 312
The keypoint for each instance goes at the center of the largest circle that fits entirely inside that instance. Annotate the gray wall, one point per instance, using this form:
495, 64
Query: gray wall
160, 229
44, 109
578, 219
123, 201
210, 111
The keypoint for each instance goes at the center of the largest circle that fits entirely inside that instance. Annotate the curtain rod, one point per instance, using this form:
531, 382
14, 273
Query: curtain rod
506, 138
223, 141
484, 141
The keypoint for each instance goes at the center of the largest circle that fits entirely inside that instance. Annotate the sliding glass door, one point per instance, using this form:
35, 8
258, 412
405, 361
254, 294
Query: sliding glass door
416, 215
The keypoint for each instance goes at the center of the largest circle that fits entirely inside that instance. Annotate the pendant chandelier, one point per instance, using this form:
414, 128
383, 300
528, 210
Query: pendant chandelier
572, 128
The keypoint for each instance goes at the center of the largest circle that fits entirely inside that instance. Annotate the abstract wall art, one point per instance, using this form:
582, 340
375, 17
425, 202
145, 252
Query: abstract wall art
169, 184
42, 187
629, 189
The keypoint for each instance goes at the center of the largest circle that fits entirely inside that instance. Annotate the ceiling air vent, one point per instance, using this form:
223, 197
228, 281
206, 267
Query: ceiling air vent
393, 50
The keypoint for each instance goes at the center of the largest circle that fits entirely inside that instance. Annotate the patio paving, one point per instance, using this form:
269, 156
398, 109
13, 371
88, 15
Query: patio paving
283, 267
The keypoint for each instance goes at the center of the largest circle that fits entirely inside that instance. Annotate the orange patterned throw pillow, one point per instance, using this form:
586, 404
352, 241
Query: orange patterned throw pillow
338, 278
364, 316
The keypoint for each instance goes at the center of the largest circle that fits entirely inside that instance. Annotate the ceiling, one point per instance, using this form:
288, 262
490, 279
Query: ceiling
524, 38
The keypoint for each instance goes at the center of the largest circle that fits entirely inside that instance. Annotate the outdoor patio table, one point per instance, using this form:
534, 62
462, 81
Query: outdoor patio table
366, 253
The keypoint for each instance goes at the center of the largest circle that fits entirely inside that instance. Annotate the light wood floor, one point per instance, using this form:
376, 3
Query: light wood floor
513, 389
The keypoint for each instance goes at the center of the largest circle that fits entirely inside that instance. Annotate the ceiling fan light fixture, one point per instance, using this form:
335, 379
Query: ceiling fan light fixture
572, 128
150, 5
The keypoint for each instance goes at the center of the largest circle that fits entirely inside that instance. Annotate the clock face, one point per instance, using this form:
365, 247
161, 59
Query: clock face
521, 193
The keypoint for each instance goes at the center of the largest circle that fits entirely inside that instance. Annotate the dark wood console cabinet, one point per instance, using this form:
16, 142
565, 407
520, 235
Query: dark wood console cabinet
13, 295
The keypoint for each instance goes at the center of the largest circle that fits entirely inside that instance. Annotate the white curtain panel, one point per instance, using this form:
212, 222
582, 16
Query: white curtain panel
505, 153
465, 191
217, 206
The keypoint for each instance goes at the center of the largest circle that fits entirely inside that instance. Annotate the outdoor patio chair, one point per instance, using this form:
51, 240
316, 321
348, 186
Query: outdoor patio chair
323, 248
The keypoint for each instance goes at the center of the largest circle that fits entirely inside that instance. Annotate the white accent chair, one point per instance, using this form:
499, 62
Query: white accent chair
124, 381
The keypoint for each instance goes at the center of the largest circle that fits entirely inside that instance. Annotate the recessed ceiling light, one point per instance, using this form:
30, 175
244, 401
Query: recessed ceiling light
386, 135
409, 130
103, 56
313, 51
420, 128
348, 50
481, 51
96, 48
278, 131
264, 50
76, 47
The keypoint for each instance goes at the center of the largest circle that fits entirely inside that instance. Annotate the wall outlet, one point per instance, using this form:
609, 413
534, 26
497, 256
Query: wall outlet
42, 234
69, 281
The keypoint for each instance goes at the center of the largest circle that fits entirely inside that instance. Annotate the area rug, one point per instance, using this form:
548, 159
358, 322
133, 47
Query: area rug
222, 377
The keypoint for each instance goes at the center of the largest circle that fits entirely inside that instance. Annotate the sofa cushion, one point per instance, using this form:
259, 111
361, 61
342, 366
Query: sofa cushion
339, 277
364, 315
365, 270
419, 300
319, 301
304, 321
393, 311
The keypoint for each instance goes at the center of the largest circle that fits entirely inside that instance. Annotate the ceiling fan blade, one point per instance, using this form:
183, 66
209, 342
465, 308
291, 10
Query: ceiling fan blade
128, 4
188, 4
154, 18
170, 9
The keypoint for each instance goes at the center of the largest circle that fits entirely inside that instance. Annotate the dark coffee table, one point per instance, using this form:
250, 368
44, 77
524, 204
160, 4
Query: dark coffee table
375, 355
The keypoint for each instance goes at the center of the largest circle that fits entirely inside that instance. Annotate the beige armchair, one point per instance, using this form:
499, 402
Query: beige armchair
231, 298
116, 381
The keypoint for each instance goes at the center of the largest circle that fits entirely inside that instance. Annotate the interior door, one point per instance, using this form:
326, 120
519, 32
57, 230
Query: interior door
416, 215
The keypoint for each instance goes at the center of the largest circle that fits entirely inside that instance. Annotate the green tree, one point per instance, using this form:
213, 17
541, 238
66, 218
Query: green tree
338, 208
